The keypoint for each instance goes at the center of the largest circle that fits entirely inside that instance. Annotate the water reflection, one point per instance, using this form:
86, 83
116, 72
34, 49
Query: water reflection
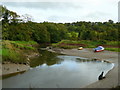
59, 71
46, 57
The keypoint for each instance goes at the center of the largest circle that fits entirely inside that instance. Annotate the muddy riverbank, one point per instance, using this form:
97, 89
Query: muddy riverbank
111, 79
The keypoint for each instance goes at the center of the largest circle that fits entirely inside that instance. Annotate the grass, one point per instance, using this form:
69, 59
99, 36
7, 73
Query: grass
114, 43
14, 51
113, 49
13, 57
75, 44
0, 51
69, 44
4, 51
24, 42
18, 44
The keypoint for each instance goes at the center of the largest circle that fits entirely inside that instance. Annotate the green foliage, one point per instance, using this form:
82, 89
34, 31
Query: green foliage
5, 52
24, 42
102, 41
40, 33
113, 49
57, 31
113, 43
46, 32
13, 56
14, 51
74, 35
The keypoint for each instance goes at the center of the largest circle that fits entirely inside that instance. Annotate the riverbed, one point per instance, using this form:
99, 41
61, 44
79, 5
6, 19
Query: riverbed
111, 79
60, 71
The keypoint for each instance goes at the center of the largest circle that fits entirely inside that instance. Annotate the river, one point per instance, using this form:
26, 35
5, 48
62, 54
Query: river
51, 70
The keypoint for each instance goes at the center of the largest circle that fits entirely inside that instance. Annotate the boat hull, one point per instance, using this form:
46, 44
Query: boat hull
99, 50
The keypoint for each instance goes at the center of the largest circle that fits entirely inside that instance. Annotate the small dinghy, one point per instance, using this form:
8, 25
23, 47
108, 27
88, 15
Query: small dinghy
80, 48
99, 49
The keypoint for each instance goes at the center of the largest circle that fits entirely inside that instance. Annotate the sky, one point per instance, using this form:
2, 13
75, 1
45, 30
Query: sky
119, 11
63, 11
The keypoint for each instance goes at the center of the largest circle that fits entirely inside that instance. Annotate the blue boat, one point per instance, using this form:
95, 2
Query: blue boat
99, 49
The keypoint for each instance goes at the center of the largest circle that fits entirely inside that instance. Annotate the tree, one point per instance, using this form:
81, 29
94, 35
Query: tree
74, 35
13, 28
26, 18
41, 35
111, 21
9, 16
54, 32
62, 31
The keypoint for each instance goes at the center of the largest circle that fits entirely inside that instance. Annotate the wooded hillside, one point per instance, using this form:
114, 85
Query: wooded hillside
16, 29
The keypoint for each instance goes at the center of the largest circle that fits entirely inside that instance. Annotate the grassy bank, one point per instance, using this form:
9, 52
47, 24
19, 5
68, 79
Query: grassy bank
69, 44
16, 51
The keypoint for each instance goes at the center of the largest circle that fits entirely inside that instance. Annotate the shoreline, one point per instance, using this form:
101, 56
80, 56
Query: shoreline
11, 68
111, 79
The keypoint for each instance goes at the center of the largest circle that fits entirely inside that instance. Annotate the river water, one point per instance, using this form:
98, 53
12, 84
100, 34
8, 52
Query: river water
58, 71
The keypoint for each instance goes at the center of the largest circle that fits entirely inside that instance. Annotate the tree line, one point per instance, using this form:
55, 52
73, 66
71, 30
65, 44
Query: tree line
14, 28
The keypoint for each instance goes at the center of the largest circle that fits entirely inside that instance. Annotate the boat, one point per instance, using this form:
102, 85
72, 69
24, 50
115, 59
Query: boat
80, 48
99, 49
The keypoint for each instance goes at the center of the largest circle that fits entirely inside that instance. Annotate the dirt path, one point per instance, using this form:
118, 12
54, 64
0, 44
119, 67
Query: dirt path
111, 79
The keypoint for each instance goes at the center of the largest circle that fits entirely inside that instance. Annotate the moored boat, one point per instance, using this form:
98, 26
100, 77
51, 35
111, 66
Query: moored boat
99, 49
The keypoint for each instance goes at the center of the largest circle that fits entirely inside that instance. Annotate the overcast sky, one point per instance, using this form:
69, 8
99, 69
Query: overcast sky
66, 11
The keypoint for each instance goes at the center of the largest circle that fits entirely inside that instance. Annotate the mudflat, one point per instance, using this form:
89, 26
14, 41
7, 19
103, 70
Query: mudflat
10, 68
111, 79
